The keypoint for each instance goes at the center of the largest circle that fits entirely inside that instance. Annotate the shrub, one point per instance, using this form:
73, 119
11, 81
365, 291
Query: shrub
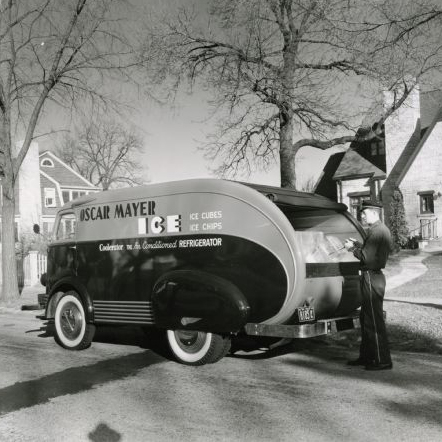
397, 221
412, 242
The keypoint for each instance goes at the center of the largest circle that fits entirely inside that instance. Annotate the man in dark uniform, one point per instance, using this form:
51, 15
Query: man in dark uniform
374, 351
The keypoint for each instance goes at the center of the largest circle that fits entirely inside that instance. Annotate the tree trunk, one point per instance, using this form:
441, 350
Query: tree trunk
286, 152
10, 291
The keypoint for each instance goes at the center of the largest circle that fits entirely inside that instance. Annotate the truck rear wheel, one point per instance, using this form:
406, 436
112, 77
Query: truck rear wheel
71, 329
196, 347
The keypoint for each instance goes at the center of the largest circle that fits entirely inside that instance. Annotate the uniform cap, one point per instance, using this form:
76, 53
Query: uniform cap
370, 204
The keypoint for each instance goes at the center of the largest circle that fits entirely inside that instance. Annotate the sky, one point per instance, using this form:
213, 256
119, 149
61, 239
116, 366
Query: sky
173, 136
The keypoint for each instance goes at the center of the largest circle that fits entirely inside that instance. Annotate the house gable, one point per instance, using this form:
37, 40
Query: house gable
354, 165
64, 175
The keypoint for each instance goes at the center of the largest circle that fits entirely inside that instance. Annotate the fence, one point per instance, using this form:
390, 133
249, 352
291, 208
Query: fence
426, 230
429, 229
29, 269
34, 265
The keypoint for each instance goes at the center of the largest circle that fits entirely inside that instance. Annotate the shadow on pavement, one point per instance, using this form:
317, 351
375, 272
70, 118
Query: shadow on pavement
249, 347
120, 335
73, 380
103, 433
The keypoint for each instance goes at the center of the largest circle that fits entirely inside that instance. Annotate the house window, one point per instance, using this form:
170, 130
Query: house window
69, 195
377, 148
426, 202
46, 162
48, 227
356, 203
381, 147
49, 194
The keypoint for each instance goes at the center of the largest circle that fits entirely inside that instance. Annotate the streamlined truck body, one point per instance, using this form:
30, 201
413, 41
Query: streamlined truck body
202, 260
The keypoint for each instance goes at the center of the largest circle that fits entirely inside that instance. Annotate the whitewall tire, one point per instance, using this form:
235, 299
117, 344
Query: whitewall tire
196, 347
71, 328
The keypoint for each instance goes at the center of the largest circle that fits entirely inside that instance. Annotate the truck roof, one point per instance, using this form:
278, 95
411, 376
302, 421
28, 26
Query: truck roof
276, 194
296, 198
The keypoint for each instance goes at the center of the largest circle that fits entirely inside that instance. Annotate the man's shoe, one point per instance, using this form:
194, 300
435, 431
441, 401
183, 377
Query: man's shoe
355, 362
376, 367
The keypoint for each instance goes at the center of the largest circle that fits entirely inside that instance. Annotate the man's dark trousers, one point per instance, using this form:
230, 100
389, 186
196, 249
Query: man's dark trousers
374, 345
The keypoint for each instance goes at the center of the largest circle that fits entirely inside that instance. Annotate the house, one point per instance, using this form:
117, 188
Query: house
59, 184
356, 175
408, 157
44, 184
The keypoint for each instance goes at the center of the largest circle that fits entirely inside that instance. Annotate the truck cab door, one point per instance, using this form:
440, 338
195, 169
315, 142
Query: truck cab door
62, 253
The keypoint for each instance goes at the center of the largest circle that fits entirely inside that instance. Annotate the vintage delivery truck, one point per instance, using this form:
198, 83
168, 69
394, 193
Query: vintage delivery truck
202, 260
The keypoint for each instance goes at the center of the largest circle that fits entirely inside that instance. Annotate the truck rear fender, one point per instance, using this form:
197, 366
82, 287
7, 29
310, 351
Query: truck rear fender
196, 300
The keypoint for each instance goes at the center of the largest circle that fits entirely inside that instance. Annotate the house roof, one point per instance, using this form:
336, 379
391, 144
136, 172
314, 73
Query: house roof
63, 174
353, 165
323, 186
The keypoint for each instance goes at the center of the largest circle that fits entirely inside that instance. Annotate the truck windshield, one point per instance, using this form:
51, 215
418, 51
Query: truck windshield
322, 233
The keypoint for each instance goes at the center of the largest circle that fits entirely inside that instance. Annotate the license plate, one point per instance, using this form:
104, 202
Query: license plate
306, 314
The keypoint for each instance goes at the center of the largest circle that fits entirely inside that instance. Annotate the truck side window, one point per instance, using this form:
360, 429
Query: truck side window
66, 227
322, 233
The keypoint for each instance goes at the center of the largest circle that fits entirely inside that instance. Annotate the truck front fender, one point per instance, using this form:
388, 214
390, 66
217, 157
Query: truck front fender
196, 300
63, 286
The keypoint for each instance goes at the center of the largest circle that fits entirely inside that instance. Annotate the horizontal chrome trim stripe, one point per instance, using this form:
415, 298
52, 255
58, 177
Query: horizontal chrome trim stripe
146, 303
107, 315
125, 321
129, 310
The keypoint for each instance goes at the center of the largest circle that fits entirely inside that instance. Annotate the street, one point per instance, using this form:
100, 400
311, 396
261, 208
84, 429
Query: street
119, 389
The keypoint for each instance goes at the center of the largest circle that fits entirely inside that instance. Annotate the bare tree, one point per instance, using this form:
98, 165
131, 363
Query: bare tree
52, 51
294, 73
308, 185
105, 153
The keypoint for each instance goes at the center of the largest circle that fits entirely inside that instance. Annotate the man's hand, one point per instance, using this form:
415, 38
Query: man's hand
349, 244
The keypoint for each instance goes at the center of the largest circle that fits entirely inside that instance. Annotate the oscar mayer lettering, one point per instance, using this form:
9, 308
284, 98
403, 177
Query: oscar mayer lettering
126, 210
143, 211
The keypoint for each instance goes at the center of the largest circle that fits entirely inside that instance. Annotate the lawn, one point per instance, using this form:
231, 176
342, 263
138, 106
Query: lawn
428, 285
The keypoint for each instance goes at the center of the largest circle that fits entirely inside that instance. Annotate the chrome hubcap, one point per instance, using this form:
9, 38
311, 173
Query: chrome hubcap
190, 341
71, 321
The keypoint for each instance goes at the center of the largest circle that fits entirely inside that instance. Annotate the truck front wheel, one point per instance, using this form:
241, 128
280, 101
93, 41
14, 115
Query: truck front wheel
71, 329
196, 347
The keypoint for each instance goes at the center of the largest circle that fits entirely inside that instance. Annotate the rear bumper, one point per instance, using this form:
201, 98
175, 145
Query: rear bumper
308, 330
